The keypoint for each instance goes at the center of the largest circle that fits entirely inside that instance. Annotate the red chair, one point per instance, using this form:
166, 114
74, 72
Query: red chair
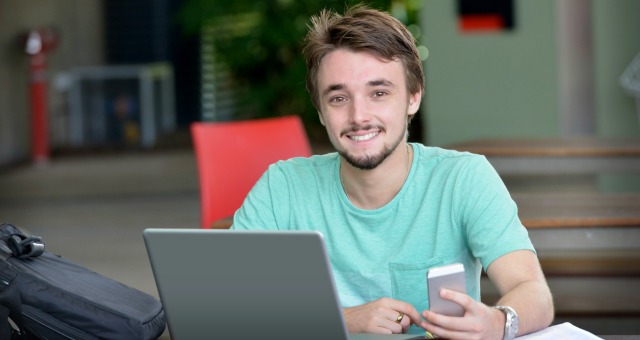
231, 157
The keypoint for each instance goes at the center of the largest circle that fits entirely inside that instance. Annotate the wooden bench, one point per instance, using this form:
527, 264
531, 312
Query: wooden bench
578, 209
586, 238
591, 262
587, 155
553, 147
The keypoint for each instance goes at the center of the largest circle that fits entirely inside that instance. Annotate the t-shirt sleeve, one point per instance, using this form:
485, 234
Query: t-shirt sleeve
265, 203
488, 214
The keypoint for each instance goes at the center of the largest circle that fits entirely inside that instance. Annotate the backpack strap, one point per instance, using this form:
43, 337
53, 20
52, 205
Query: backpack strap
10, 307
13, 242
25, 246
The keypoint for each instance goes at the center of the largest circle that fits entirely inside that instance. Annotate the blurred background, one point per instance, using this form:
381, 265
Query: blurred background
128, 74
96, 98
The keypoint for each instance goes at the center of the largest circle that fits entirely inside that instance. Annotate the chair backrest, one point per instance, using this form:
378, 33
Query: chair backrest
231, 157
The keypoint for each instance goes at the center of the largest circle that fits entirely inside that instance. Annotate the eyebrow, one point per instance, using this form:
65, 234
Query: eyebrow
372, 83
334, 87
381, 82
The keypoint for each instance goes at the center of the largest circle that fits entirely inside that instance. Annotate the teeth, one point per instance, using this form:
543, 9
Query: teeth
364, 137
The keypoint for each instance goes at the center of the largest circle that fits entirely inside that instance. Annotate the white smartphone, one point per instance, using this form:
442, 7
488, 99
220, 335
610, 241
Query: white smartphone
449, 277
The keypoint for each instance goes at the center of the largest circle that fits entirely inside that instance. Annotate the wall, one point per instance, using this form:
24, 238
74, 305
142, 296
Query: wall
79, 23
505, 84
616, 30
490, 84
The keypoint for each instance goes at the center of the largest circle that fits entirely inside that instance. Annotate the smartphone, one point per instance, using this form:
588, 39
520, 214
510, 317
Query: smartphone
450, 277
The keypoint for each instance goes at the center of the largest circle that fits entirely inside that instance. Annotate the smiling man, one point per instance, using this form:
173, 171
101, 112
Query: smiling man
391, 210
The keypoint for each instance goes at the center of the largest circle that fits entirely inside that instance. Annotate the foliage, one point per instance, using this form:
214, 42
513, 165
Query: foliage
260, 42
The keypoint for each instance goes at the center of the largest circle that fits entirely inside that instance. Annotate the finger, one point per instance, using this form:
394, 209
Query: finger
400, 317
434, 318
442, 321
462, 299
391, 325
403, 321
454, 331
446, 323
409, 311
406, 323
393, 315
390, 319
438, 332
404, 315
414, 316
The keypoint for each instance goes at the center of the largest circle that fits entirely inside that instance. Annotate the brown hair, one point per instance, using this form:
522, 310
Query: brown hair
361, 29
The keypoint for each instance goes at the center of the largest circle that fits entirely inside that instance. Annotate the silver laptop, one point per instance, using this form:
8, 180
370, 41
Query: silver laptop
223, 284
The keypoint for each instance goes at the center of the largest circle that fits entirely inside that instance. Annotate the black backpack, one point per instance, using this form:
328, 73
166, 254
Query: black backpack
44, 296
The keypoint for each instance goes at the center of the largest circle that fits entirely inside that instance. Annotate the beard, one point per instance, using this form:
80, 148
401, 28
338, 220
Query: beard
372, 160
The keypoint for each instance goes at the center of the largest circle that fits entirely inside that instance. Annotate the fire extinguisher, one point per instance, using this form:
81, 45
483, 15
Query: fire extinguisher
37, 43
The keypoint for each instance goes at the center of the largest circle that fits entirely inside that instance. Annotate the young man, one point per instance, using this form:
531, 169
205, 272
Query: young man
390, 210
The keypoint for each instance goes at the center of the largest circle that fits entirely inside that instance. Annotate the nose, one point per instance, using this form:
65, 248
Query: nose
359, 111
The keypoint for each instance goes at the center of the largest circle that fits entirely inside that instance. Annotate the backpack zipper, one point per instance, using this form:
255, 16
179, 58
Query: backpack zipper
46, 321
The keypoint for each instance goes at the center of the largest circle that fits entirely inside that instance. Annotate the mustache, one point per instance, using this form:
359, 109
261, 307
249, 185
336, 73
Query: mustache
357, 128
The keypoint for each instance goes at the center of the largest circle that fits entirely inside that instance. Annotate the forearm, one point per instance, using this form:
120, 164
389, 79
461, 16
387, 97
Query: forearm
533, 302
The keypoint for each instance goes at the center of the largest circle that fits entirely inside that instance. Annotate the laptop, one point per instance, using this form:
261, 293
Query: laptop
227, 284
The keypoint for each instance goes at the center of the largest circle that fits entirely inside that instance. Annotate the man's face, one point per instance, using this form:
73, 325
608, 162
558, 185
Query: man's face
364, 105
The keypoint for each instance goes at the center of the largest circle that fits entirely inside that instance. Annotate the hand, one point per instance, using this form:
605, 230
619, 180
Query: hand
478, 322
381, 317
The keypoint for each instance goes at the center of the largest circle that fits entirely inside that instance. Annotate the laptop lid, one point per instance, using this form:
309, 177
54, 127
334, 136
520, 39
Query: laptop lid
228, 284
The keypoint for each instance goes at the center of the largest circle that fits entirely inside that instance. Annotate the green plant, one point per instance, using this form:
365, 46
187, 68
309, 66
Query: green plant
260, 43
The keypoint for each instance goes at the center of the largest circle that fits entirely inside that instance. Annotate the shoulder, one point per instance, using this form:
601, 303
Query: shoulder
303, 168
306, 163
460, 169
436, 156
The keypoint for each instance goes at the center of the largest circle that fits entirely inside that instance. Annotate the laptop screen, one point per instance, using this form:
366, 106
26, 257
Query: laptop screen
231, 284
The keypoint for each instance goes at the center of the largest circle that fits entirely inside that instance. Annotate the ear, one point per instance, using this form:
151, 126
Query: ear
321, 119
414, 102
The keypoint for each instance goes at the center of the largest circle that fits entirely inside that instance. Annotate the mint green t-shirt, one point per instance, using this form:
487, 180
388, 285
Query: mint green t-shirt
453, 207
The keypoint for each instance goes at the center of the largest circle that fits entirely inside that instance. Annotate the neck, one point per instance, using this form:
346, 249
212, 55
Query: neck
372, 189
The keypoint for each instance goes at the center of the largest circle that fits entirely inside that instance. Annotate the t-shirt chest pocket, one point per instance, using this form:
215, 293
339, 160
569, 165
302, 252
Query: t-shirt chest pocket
409, 282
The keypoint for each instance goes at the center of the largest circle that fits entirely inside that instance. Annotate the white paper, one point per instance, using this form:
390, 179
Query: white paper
562, 331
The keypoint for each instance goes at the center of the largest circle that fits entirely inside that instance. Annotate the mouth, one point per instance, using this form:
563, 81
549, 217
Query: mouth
363, 133
366, 137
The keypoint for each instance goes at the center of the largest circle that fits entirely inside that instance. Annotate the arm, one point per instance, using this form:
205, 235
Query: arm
223, 223
522, 286
258, 210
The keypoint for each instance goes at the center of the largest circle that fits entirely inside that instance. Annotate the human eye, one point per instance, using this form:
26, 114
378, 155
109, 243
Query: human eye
337, 99
379, 94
